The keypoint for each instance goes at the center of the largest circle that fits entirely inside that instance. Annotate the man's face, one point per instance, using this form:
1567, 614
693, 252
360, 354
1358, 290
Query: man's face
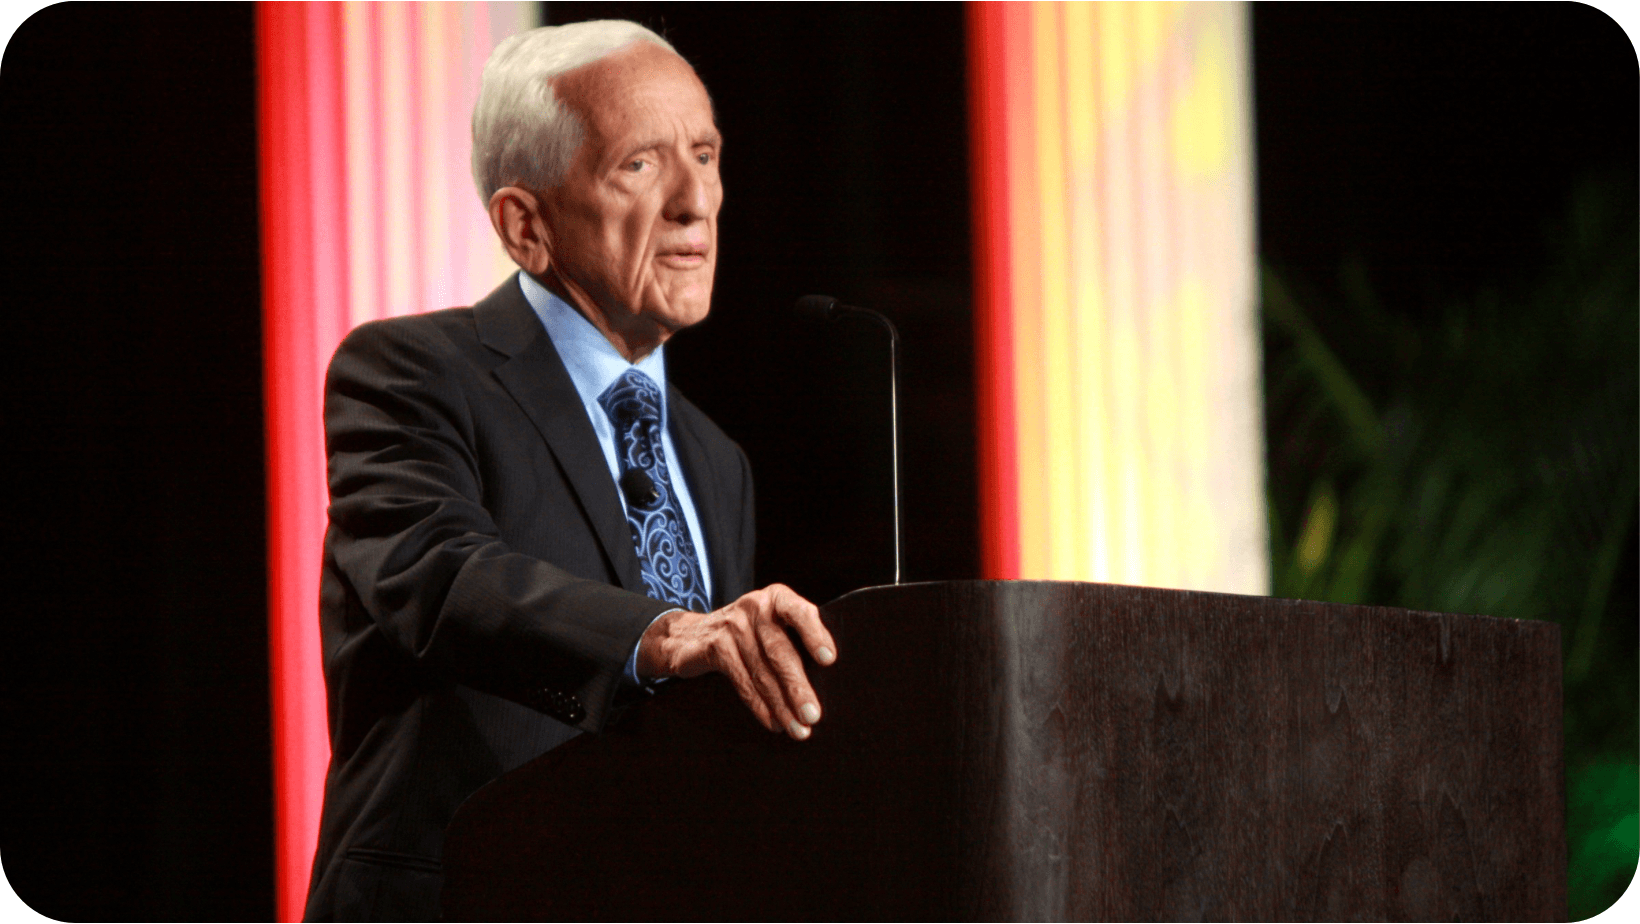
632, 229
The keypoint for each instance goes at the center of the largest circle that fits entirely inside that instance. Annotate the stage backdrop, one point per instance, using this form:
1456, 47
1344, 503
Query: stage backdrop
368, 210
1116, 321
1118, 427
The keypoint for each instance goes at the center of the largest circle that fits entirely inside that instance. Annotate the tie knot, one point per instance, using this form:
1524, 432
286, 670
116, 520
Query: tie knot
634, 398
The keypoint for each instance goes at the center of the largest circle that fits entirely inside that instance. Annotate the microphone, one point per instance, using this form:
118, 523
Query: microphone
817, 307
826, 308
639, 489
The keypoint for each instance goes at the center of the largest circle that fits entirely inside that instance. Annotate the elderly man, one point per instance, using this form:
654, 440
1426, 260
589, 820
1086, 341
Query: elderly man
527, 523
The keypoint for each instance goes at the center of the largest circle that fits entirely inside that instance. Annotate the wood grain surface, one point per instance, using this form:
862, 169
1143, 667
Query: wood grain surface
1043, 751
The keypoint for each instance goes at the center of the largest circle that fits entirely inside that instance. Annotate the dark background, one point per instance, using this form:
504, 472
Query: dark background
1436, 146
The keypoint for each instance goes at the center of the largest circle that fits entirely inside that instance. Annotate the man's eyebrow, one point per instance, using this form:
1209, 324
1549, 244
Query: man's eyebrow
648, 144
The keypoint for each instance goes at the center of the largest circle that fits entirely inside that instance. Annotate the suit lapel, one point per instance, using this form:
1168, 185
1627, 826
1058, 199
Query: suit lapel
704, 488
536, 378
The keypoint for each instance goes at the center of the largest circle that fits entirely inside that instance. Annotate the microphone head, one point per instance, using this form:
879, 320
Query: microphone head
818, 307
639, 489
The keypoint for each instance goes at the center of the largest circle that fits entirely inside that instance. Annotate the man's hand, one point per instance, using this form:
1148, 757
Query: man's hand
746, 641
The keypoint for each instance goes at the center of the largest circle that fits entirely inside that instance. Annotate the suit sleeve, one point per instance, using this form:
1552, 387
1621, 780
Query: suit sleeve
424, 558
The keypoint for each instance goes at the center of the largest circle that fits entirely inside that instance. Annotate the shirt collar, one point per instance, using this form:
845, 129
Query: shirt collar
592, 361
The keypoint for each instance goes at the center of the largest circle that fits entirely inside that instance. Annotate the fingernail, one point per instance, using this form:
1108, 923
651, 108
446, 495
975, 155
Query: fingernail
824, 655
798, 730
810, 713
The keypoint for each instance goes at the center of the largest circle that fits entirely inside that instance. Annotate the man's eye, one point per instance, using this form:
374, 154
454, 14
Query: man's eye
704, 158
634, 166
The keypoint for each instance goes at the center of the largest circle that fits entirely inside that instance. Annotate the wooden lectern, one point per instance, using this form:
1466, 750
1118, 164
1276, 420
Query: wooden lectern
1032, 750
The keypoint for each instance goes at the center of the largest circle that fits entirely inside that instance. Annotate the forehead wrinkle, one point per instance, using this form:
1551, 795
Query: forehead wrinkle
657, 136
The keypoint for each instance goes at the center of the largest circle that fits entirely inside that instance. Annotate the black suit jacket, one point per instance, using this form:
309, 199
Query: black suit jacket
480, 592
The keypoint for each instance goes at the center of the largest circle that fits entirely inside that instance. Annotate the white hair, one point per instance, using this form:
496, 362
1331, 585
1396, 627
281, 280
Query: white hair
522, 134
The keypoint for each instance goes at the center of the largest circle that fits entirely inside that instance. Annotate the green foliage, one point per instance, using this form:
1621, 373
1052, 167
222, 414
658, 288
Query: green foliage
1483, 457
1601, 851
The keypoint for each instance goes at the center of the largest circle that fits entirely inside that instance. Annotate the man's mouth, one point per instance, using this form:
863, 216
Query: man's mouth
683, 258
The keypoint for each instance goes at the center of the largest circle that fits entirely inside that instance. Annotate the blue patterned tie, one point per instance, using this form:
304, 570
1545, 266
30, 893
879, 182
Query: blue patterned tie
666, 555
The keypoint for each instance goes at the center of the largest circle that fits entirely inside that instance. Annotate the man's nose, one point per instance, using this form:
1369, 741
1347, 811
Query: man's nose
690, 198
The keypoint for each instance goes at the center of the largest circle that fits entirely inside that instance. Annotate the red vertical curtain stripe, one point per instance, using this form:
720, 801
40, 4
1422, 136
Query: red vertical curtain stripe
367, 212
300, 175
993, 53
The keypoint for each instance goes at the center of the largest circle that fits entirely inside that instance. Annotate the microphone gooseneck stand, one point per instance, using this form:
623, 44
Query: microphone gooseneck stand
824, 307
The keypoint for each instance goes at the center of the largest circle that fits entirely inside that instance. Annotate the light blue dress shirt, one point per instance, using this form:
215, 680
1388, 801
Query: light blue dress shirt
594, 365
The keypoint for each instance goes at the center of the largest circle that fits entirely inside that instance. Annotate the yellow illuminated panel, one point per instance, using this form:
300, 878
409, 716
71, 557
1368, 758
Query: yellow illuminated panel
1121, 436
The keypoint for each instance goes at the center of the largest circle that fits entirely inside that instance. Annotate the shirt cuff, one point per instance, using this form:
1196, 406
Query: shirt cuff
632, 659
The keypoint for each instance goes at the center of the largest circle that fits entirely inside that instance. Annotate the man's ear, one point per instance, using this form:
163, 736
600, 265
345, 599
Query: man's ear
515, 213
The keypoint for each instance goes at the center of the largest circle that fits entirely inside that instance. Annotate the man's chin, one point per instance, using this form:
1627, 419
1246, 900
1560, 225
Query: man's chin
676, 314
